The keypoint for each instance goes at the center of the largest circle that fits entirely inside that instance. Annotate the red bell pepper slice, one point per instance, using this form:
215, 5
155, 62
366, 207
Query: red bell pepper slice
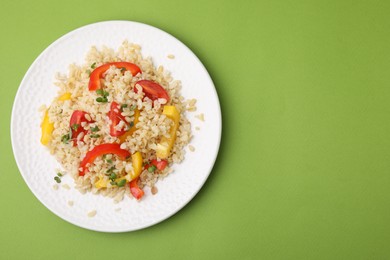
152, 90
101, 150
115, 117
135, 190
160, 165
97, 74
76, 119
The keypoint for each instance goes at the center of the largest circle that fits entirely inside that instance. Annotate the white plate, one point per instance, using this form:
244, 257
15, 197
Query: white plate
37, 166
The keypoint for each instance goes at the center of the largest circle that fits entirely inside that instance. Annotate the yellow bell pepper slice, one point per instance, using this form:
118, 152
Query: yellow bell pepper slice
164, 147
123, 137
47, 129
137, 169
65, 96
101, 183
137, 165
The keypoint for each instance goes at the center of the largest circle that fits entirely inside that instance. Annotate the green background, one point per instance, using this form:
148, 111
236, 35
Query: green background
303, 168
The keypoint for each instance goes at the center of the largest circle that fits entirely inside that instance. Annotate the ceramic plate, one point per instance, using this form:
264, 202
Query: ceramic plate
37, 166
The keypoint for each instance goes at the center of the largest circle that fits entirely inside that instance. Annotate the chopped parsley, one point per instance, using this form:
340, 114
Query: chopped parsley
102, 100
121, 183
112, 176
95, 129
93, 65
94, 135
65, 138
111, 171
152, 168
103, 94
75, 126
123, 106
57, 179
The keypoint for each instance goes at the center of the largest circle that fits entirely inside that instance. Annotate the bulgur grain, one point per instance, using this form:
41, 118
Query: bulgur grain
200, 117
66, 186
92, 213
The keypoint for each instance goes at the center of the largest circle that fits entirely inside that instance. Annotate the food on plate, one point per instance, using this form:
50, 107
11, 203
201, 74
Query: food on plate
118, 123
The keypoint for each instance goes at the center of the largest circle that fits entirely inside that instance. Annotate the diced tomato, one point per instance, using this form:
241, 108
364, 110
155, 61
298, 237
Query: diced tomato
76, 119
135, 190
115, 117
152, 90
101, 150
97, 74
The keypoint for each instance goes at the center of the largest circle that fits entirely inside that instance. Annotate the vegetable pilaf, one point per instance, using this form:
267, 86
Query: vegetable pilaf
118, 123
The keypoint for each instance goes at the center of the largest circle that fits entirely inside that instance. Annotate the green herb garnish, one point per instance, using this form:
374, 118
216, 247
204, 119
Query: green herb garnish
59, 174
95, 129
121, 183
152, 168
65, 138
112, 176
111, 170
93, 65
109, 161
57, 179
103, 94
102, 99
75, 126
94, 135
123, 69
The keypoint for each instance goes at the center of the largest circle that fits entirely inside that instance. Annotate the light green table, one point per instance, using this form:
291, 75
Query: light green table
303, 170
